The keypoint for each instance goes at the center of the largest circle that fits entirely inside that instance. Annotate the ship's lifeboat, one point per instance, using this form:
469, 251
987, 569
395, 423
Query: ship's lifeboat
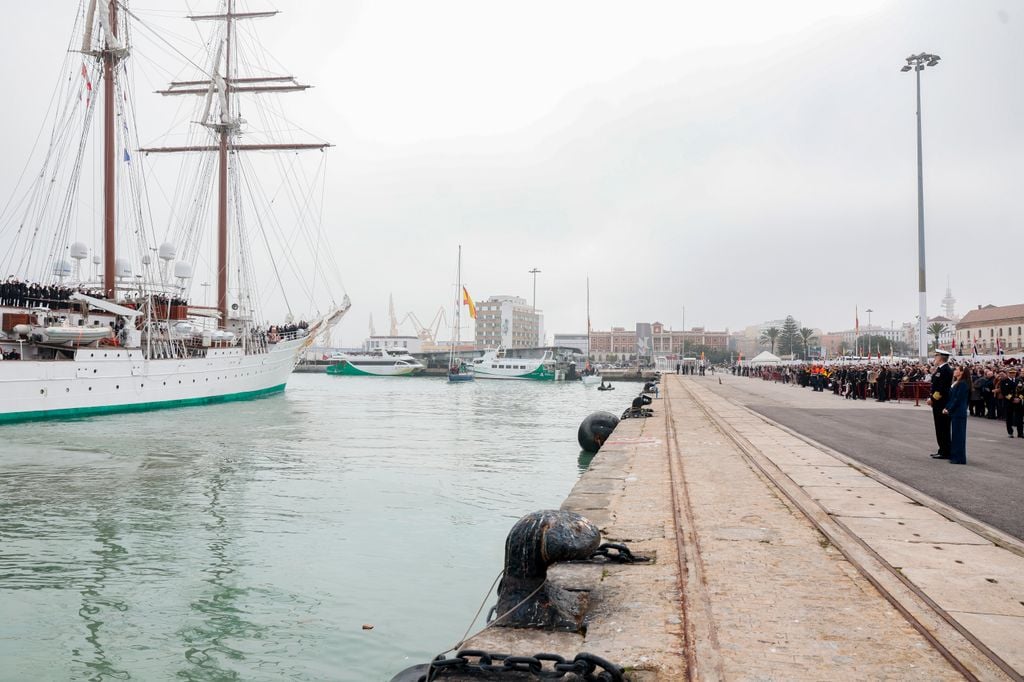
71, 336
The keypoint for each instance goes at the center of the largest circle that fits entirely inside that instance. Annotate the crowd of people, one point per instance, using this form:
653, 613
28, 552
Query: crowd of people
993, 389
277, 332
19, 294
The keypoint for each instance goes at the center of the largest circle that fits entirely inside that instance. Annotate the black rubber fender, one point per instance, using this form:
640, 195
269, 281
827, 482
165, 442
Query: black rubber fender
595, 429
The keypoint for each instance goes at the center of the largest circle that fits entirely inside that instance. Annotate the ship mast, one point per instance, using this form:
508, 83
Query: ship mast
110, 54
227, 128
226, 122
588, 323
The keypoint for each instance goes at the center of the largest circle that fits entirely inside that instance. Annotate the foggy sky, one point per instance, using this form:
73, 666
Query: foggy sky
745, 161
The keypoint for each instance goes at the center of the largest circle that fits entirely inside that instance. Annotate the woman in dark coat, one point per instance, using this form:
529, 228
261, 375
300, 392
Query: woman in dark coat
956, 408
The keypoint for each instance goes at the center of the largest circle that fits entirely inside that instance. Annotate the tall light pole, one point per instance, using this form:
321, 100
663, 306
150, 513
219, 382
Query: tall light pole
869, 311
534, 273
917, 62
683, 352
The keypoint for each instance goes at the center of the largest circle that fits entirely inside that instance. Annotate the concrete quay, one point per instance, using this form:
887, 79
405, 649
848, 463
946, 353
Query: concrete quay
777, 557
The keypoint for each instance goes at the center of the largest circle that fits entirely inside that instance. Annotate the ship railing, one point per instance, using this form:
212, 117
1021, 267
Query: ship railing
274, 337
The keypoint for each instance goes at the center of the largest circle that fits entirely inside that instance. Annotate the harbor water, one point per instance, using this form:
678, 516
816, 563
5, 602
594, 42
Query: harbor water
343, 530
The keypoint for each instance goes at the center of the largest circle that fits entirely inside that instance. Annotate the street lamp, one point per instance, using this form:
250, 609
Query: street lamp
917, 63
534, 273
869, 311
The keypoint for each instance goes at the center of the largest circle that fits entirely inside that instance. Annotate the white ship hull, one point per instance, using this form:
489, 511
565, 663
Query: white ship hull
382, 363
356, 368
493, 366
105, 380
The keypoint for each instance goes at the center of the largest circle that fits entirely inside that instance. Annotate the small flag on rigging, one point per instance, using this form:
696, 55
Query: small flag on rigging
88, 84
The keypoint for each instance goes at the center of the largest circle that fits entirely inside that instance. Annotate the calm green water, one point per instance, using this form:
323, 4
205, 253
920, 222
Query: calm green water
252, 541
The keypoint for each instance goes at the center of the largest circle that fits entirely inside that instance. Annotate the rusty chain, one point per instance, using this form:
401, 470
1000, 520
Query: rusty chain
618, 553
586, 667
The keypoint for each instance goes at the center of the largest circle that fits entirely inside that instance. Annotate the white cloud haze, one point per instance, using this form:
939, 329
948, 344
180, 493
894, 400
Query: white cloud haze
746, 160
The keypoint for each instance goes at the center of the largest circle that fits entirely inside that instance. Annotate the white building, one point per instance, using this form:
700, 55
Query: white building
509, 322
891, 334
991, 329
410, 344
580, 341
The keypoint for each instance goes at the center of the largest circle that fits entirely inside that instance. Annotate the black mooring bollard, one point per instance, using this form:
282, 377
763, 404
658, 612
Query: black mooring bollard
595, 429
535, 542
415, 673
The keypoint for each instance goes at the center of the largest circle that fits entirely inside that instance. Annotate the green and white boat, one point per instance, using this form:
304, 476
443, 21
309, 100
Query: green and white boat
498, 364
376, 363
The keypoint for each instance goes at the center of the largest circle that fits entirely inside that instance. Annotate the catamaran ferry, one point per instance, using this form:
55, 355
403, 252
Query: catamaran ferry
378, 363
498, 364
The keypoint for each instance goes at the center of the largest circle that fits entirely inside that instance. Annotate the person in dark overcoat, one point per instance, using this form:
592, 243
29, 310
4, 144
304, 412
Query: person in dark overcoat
942, 381
1012, 403
956, 410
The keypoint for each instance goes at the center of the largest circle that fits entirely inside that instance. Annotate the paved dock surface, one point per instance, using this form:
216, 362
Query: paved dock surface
896, 439
780, 557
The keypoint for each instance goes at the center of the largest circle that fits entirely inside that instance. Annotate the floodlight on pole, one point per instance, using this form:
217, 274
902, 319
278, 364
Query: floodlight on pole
534, 273
917, 63
869, 311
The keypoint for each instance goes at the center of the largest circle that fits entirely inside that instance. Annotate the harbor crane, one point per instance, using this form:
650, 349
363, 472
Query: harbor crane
428, 333
391, 315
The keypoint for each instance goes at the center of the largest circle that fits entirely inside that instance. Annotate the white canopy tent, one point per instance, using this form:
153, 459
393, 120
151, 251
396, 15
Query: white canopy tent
765, 358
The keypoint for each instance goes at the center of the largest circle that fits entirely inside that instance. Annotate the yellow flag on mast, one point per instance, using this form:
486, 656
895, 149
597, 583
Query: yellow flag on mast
468, 300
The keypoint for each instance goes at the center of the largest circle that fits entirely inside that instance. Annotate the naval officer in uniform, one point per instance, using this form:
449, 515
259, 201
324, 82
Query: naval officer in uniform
942, 381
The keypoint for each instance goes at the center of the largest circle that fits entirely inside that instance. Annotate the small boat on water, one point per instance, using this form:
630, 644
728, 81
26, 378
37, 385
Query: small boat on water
590, 375
378, 363
498, 364
458, 371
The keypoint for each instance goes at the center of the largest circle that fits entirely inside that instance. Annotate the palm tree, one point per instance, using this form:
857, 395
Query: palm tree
770, 336
936, 329
806, 337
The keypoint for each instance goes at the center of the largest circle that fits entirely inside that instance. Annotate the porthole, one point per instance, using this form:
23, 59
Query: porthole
67, 389
90, 388
42, 391
117, 388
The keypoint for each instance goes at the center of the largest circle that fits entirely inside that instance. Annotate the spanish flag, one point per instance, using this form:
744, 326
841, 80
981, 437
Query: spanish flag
468, 300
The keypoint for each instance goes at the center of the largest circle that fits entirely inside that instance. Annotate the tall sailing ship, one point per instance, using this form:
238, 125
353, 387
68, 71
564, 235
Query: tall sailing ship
118, 331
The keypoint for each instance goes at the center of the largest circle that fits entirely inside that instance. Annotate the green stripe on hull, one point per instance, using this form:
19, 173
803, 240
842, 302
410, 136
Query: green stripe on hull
75, 412
345, 369
348, 370
542, 373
